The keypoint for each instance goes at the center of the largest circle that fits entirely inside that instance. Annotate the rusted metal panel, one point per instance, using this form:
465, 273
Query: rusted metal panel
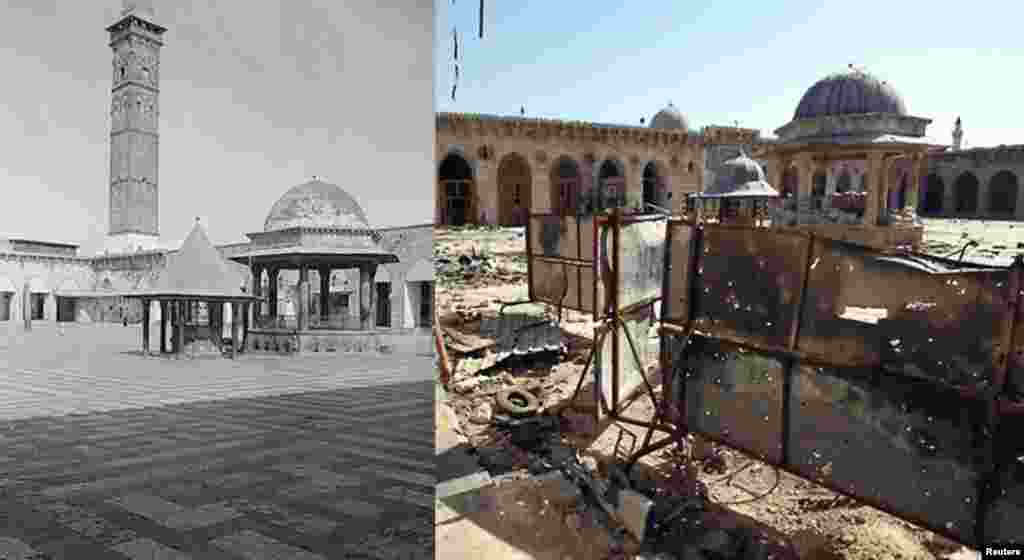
629, 375
676, 295
1004, 517
550, 280
572, 292
873, 358
559, 266
735, 396
749, 283
1015, 357
641, 258
554, 236
518, 334
559, 283
868, 310
587, 289
586, 237
845, 422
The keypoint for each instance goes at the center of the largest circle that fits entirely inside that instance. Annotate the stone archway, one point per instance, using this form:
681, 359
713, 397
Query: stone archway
611, 181
514, 186
1002, 194
966, 190
934, 192
652, 183
457, 192
565, 186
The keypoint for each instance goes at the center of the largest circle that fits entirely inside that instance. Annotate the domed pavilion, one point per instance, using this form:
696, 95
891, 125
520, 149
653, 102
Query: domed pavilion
314, 226
739, 195
855, 120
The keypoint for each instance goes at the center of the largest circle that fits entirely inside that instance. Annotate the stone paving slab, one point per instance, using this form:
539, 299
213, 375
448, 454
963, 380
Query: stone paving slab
203, 479
254, 546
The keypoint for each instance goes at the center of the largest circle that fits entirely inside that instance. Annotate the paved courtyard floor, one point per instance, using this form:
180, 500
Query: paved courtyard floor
107, 454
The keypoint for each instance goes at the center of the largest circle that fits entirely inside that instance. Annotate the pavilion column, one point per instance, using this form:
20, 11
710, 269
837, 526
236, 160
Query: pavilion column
367, 272
236, 319
805, 171
830, 185
163, 327
325, 293
302, 306
272, 273
257, 287
145, 327
874, 188
216, 319
775, 171
245, 326
179, 330
919, 165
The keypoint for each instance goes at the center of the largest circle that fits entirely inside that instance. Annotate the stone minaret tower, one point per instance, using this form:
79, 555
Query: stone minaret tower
958, 135
133, 219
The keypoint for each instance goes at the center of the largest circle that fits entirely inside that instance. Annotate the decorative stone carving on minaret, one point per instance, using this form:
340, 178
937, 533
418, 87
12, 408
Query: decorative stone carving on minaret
958, 135
135, 40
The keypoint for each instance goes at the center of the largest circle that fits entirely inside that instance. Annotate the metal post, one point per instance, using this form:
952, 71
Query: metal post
616, 318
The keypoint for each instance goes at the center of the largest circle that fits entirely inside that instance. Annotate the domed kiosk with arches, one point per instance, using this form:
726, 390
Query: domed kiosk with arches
852, 120
315, 226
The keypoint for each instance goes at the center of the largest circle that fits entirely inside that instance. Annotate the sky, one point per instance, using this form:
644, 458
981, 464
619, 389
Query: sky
726, 62
254, 99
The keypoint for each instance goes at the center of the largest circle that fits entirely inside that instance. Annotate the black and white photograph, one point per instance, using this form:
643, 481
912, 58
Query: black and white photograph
216, 279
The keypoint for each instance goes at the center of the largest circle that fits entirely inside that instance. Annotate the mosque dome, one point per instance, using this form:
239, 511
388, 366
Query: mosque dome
741, 176
669, 118
850, 93
316, 204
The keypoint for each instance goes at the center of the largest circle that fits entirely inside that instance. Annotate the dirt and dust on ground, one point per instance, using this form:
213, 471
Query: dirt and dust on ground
997, 242
479, 270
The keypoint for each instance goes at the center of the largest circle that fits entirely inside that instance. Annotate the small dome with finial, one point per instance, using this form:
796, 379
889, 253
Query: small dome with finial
669, 118
740, 177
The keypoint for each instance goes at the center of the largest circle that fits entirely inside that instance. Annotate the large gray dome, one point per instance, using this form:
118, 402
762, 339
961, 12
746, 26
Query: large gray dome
669, 118
850, 93
316, 204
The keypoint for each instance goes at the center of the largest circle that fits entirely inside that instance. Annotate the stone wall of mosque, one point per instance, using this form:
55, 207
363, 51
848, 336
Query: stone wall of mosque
73, 288
539, 153
414, 247
42, 277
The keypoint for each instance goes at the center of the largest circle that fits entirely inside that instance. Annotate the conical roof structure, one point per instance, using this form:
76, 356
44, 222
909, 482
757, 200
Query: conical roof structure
198, 270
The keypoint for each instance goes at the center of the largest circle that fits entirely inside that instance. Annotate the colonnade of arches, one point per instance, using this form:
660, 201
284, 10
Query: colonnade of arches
572, 188
1000, 199
966, 198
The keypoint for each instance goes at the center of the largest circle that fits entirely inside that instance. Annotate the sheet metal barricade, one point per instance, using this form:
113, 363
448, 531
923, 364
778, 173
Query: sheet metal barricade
560, 262
629, 264
887, 378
